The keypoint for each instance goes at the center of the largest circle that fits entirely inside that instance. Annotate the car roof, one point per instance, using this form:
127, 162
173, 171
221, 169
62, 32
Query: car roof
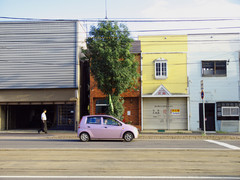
99, 116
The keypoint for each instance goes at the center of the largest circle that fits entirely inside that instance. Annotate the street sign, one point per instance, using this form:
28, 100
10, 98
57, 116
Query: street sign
202, 94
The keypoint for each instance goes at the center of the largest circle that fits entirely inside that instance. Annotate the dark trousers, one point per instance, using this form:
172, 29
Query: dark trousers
43, 127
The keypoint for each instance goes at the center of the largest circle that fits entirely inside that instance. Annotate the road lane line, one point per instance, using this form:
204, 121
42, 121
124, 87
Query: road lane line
109, 149
224, 144
119, 177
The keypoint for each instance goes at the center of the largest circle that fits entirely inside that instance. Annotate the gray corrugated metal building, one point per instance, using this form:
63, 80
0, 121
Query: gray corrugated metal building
39, 68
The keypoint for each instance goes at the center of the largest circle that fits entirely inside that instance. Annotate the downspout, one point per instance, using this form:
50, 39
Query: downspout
141, 93
78, 78
188, 102
188, 115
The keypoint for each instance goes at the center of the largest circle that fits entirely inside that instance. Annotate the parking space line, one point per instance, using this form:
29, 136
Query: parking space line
224, 144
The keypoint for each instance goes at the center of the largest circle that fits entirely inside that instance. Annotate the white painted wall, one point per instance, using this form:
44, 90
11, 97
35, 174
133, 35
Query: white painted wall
212, 47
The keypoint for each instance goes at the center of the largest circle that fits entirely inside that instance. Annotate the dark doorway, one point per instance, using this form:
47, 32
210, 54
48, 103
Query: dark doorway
29, 116
84, 91
209, 114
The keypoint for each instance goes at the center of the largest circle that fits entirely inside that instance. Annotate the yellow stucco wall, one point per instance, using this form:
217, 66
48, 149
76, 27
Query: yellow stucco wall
173, 49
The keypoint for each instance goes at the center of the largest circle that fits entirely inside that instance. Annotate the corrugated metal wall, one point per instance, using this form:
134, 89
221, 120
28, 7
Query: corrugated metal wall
38, 54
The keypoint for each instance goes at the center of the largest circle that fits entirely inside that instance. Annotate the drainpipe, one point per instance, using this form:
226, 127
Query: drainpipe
188, 115
141, 94
168, 114
77, 76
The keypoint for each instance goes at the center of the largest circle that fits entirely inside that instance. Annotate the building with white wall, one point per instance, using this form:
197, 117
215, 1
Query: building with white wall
214, 59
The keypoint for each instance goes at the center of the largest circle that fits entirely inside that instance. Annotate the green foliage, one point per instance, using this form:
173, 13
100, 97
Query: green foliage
112, 65
118, 110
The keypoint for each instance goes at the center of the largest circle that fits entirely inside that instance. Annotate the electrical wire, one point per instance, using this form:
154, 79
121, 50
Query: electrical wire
132, 20
148, 43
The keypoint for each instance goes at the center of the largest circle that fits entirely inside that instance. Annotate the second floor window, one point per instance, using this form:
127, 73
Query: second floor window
160, 69
214, 68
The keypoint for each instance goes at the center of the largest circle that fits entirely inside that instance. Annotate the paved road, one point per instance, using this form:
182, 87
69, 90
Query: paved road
6, 143
40, 158
129, 162
43, 157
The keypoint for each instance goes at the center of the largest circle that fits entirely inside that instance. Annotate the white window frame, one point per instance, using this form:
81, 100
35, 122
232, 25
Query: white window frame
159, 73
230, 110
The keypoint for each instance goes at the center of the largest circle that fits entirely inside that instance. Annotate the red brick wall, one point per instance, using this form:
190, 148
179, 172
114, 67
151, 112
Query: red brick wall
131, 110
132, 100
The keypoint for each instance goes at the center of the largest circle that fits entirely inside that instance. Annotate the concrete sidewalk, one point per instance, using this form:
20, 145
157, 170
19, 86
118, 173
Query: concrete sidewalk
32, 134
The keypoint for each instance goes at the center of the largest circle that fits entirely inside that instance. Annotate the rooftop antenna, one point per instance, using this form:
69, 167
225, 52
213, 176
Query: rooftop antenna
106, 9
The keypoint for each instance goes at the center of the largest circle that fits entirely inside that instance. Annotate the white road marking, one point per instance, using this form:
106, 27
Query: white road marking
119, 177
224, 144
107, 149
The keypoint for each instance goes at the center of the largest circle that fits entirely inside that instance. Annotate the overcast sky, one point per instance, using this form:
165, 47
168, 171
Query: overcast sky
157, 9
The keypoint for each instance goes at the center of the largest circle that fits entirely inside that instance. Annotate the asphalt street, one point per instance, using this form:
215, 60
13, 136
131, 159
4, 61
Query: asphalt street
40, 157
114, 144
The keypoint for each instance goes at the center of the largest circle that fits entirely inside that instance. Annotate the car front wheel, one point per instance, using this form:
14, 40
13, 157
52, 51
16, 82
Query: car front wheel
84, 137
128, 136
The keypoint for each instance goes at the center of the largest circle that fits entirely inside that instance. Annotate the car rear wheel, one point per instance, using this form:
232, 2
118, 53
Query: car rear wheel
128, 136
84, 137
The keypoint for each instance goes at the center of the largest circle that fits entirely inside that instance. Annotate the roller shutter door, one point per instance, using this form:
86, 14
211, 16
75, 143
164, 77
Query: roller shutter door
165, 113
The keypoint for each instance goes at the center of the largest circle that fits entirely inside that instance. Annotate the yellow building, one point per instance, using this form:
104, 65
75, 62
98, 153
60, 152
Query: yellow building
164, 82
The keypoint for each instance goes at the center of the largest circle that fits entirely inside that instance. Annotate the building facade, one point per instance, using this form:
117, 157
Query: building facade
39, 68
214, 60
132, 98
164, 82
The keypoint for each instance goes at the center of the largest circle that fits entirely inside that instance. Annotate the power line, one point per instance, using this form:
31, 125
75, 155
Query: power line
132, 20
131, 31
140, 20
14, 43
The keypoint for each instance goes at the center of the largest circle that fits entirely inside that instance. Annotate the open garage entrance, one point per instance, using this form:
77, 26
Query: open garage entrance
59, 117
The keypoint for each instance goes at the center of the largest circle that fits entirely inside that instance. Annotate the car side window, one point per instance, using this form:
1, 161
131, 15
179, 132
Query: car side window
111, 122
94, 120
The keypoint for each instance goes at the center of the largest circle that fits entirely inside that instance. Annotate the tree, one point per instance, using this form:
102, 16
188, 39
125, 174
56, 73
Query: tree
112, 65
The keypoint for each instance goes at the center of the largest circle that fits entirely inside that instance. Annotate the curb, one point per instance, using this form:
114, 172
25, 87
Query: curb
142, 136
163, 136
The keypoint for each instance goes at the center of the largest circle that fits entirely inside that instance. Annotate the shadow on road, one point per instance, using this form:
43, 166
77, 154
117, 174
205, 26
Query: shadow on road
56, 140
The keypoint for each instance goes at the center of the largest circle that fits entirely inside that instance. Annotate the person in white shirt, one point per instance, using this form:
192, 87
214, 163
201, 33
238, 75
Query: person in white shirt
44, 122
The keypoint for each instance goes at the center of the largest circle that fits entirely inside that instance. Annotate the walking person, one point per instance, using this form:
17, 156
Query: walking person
44, 122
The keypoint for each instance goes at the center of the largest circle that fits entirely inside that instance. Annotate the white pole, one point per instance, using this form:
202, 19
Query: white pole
106, 16
204, 122
203, 102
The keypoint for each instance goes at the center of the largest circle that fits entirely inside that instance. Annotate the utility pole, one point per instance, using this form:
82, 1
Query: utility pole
106, 17
203, 102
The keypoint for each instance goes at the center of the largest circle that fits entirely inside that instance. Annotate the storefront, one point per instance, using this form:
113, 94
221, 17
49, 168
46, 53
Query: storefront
21, 109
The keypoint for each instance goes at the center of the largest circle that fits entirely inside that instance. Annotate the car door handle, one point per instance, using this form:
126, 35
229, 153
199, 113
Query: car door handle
89, 127
105, 127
